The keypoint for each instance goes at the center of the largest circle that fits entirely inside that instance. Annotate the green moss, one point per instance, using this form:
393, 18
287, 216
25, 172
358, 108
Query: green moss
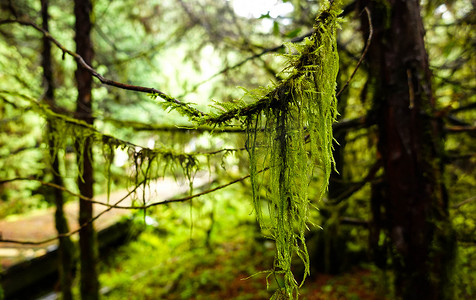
301, 109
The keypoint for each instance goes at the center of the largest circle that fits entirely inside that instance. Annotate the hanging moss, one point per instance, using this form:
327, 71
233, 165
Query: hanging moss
302, 108
149, 163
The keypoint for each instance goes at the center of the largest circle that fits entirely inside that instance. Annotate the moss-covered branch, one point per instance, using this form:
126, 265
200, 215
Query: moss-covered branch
184, 108
72, 127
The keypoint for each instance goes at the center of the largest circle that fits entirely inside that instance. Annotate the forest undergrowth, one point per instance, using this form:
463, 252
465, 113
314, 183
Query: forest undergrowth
217, 252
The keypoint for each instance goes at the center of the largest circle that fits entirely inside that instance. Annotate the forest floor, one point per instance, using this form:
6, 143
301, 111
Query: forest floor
145, 269
216, 251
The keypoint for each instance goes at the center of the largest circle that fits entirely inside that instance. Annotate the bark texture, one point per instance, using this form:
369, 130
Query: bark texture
87, 236
66, 262
412, 200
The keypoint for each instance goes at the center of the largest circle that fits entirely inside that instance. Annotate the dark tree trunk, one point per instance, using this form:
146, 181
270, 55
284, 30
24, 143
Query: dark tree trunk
87, 236
412, 196
66, 262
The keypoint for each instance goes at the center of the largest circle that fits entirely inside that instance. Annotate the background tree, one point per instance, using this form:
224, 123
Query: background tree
87, 235
67, 259
413, 196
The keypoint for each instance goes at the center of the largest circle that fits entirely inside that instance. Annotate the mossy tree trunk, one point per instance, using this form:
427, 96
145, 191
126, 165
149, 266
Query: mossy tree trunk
412, 199
87, 235
66, 262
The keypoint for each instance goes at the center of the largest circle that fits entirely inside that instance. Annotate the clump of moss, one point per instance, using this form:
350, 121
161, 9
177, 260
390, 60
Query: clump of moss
301, 110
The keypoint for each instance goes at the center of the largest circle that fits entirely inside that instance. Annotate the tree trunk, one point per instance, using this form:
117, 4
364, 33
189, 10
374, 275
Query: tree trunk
87, 235
413, 196
66, 262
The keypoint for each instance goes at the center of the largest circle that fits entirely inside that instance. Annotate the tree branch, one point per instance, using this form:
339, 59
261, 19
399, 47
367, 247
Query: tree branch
186, 109
349, 192
192, 112
354, 221
458, 129
464, 107
111, 206
104, 138
172, 128
2, 240
458, 205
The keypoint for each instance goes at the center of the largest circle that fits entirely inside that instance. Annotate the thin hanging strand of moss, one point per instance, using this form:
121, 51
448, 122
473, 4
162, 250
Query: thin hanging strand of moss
306, 99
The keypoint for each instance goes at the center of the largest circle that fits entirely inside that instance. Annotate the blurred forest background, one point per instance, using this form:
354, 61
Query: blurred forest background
382, 231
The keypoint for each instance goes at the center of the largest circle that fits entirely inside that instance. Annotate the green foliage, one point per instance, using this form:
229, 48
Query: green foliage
20, 156
465, 276
168, 261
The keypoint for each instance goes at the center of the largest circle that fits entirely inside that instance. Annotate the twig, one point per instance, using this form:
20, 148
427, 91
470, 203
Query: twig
183, 199
115, 205
349, 192
250, 58
457, 129
458, 205
138, 126
366, 49
76, 230
354, 221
